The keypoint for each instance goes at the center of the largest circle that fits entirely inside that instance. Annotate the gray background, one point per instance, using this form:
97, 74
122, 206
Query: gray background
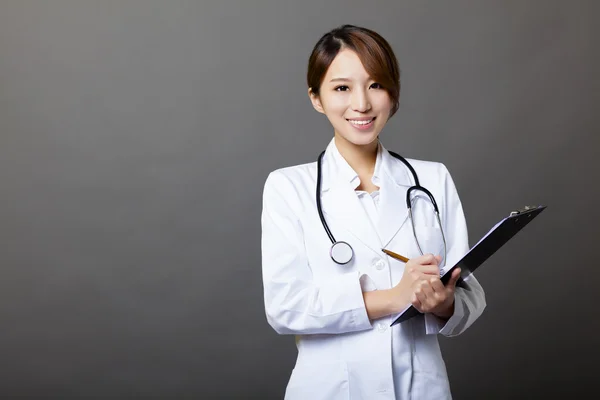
135, 138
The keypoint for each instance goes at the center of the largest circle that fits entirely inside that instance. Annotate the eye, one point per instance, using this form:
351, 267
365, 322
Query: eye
376, 86
341, 88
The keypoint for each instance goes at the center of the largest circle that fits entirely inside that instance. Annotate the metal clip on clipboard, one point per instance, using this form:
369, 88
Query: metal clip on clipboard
522, 210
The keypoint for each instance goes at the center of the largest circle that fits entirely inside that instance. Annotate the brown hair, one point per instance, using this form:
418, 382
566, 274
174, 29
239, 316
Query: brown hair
373, 50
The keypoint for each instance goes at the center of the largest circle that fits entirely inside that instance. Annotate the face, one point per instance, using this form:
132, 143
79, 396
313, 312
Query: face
356, 105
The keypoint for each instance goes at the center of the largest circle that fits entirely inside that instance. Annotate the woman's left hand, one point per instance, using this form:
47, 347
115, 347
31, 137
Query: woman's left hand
431, 296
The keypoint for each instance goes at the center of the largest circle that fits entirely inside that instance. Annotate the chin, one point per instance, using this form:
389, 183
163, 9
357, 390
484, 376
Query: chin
361, 139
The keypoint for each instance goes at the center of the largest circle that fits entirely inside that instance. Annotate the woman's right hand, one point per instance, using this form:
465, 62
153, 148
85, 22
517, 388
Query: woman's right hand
381, 303
415, 270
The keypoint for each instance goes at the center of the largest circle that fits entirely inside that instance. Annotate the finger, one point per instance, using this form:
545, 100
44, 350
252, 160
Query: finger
453, 278
435, 293
426, 296
438, 259
428, 291
437, 285
419, 273
415, 302
425, 259
417, 289
428, 269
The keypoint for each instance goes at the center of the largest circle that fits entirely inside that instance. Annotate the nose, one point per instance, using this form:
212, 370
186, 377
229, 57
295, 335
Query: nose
360, 101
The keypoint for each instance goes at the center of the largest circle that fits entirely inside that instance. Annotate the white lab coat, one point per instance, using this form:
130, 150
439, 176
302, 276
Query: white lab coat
341, 353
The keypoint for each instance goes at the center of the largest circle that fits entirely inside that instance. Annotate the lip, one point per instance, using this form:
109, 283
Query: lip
362, 127
360, 119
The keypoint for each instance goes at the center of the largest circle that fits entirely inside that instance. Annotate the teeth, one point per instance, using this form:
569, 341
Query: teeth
360, 122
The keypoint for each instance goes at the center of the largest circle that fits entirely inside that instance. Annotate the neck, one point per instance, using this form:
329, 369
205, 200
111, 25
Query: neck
361, 158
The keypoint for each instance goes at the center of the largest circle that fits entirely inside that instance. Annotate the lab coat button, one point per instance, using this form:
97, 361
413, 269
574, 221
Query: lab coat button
381, 327
379, 265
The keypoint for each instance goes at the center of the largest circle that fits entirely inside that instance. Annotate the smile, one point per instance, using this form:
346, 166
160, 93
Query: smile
362, 123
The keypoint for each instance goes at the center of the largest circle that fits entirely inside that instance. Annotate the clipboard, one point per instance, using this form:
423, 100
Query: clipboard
501, 233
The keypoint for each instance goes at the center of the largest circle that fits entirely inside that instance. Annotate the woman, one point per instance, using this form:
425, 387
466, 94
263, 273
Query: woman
341, 302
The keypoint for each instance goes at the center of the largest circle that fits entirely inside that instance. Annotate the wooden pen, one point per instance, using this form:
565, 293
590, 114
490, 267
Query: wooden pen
395, 255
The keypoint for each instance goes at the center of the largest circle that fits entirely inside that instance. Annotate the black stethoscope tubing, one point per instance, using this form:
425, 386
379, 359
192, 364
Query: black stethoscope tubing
417, 187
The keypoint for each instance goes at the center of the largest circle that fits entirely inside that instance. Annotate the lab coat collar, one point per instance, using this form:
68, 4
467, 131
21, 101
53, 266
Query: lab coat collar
336, 169
340, 202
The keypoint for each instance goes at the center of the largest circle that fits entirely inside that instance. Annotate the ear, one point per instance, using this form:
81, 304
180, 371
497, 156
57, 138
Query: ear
316, 101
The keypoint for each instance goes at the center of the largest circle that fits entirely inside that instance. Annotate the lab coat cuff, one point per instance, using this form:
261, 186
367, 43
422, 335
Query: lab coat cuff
360, 318
433, 324
366, 283
455, 320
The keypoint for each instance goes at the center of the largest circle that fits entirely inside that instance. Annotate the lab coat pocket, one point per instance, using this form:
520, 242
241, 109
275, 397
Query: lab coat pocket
323, 381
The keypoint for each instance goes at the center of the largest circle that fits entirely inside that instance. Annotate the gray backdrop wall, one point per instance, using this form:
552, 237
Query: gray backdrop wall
135, 138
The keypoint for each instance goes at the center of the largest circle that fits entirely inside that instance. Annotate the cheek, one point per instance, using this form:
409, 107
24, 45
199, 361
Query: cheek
383, 101
335, 105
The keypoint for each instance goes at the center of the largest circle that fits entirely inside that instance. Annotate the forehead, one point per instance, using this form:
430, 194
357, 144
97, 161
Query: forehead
346, 64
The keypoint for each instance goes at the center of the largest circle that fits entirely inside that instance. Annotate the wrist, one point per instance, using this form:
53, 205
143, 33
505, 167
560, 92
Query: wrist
397, 301
446, 312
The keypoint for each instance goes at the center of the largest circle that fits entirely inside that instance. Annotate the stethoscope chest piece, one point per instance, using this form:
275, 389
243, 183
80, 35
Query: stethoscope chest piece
341, 252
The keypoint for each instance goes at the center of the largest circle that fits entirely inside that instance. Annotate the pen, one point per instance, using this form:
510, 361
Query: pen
395, 255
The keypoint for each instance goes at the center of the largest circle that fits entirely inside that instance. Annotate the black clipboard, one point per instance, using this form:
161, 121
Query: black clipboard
488, 245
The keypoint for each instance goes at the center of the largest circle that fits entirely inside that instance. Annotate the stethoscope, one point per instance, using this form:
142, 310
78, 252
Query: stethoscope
341, 252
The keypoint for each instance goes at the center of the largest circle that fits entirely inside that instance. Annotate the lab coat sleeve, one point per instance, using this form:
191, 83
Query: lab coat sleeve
294, 303
469, 300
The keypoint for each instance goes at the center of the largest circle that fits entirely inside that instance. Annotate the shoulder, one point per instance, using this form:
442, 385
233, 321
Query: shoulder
433, 175
293, 185
429, 172
292, 175
294, 172
290, 189
436, 177
428, 167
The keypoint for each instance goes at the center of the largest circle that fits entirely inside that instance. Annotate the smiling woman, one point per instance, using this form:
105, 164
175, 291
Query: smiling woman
338, 295
373, 51
357, 106
354, 79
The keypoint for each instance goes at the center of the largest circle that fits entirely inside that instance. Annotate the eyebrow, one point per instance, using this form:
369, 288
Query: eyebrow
340, 80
